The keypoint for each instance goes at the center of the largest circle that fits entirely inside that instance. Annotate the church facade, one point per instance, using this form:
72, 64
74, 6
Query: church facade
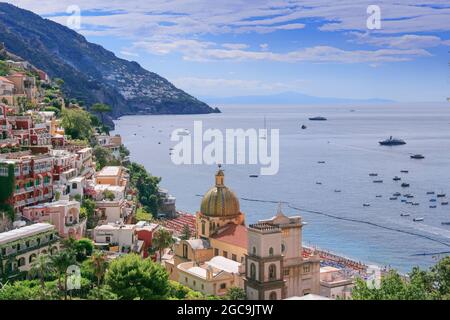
270, 251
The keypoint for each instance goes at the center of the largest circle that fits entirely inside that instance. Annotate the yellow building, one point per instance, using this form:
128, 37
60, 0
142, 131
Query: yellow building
270, 251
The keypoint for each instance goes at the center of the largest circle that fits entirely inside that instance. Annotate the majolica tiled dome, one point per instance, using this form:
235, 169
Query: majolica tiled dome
219, 201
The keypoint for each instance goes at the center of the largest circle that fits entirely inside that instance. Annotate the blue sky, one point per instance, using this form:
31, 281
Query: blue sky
240, 47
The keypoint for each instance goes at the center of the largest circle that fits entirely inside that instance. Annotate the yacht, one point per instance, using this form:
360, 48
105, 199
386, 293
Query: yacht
393, 198
415, 204
404, 171
417, 219
318, 119
396, 178
373, 174
440, 195
445, 203
405, 214
417, 156
445, 223
397, 194
433, 207
392, 142
405, 185
430, 192
366, 204
304, 127
377, 181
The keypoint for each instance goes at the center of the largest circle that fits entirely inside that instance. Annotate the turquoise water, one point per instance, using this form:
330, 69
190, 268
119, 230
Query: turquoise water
348, 143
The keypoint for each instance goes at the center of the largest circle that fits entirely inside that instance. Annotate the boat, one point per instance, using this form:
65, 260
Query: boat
415, 204
378, 196
418, 219
405, 214
404, 171
417, 156
304, 127
408, 202
397, 194
337, 190
373, 174
432, 207
440, 195
432, 200
253, 176
430, 192
393, 198
410, 196
445, 203
366, 204
377, 181
320, 162
396, 178
445, 223
403, 200
318, 119
405, 185
392, 142
318, 182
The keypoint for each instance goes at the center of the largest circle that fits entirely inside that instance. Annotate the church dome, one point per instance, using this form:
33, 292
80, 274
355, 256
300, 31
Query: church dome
219, 201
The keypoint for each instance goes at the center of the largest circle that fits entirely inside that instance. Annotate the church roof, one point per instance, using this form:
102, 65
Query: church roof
233, 234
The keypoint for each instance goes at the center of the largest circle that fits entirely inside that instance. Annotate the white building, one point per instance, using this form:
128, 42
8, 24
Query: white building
121, 236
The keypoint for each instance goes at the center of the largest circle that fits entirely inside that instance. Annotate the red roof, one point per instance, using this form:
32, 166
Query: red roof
6, 80
233, 234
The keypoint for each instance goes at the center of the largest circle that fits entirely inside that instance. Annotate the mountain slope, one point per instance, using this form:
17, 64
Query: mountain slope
90, 72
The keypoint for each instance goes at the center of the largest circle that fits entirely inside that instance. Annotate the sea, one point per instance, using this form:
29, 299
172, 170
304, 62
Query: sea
323, 174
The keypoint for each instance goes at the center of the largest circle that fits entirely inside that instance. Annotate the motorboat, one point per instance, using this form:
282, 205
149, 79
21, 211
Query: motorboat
404, 171
392, 142
321, 162
445, 223
378, 196
318, 182
337, 190
415, 204
432, 200
432, 207
318, 119
430, 192
418, 219
253, 176
409, 196
304, 127
417, 156
445, 203
397, 194
377, 181
440, 195
373, 174
366, 204
393, 198
396, 178
405, 185
405, 214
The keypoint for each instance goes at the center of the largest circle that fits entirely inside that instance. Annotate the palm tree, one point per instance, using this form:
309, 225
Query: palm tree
41, 268
99, 264
61, 261
101, 108
161, 240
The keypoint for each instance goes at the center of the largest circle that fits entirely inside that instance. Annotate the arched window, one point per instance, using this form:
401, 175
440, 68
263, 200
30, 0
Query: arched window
254, 251
252, 271
21, 262
272, 272
283, 248
273, 296
271, 251
203, 228
185, 251
31, 258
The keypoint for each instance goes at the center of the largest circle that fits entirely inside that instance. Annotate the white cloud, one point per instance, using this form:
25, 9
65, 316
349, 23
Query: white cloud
233, 87
408, 41
235, 46
129, 54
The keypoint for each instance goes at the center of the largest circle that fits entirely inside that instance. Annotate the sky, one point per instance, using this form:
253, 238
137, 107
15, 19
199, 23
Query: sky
397, 50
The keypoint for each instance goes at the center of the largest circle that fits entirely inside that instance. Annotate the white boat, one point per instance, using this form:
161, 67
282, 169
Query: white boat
418, 219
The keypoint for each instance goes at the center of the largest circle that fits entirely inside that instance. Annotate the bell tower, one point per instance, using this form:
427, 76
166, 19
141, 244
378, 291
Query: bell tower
264, 263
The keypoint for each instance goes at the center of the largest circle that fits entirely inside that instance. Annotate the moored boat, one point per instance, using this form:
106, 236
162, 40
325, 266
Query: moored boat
418, 219
392, 142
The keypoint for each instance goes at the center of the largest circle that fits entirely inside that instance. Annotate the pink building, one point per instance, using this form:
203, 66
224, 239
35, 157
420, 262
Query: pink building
63, 214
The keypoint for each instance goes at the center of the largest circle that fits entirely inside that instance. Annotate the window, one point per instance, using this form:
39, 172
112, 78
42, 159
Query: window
203, 228
74, 186
203, 287
272, 272
254, 251
283, 248
273, 296
252, 271
306, 268
225, 254
185, 250
271, 251
286, 272
31, 258
194, 283
233, 257
21, 262
216, 252
108, 239
223, 286
186, 280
